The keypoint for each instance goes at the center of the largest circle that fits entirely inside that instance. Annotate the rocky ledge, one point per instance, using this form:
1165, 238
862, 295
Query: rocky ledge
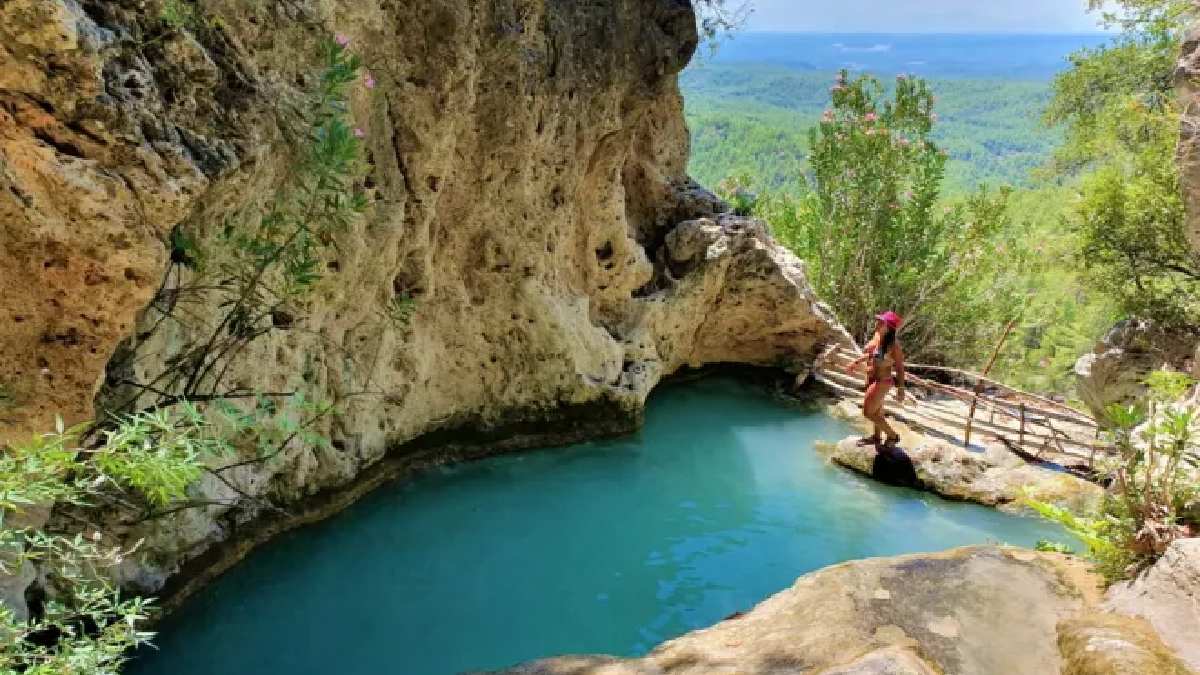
970, 611
994, 477
1168, 596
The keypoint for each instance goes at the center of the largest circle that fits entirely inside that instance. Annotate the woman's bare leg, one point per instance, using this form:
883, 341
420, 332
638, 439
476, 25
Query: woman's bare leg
873, 409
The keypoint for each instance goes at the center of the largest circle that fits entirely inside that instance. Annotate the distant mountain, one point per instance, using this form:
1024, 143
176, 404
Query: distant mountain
1022, 57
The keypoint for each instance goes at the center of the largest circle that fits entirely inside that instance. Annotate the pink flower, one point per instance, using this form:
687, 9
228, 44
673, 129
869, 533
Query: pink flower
369, 81
903, 142
870, 117
342, 41
359, 133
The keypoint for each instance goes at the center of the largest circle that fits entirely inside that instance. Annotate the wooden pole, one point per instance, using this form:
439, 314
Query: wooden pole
979, 384
1021, 439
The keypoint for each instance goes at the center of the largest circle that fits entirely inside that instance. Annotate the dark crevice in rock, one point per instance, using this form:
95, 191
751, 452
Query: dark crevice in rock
61, 146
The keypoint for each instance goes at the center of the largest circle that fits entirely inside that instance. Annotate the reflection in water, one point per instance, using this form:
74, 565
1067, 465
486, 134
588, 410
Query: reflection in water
608, 547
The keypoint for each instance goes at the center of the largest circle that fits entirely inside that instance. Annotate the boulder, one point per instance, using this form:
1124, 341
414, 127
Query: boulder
1114, 373
994, 477
972, 611
1168, 597
1106, 644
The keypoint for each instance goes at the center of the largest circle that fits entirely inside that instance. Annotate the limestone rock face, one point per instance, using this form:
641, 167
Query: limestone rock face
995, 477
1187, 83
972, 611
525, 162
1168, 597
1114, 373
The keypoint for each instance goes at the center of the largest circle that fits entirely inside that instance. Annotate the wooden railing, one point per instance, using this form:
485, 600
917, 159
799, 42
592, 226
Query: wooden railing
1029, 424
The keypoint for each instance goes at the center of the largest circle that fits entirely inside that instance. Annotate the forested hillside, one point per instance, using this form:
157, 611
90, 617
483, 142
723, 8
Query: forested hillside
752, 119
1007, 115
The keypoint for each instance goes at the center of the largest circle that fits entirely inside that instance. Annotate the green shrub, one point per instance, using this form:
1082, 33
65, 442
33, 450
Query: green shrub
95, 626
1154, 477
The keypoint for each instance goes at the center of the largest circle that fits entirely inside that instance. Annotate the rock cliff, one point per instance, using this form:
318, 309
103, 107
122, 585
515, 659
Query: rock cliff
1187, 83
525, 166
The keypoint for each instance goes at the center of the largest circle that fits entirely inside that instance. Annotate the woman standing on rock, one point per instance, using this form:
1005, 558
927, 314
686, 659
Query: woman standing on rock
886, 370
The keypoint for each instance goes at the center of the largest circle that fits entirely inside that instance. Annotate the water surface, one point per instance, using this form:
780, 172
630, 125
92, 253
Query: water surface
606, 547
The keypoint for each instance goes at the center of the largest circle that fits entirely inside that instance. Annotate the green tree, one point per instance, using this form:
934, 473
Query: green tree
877, 235
1117, 105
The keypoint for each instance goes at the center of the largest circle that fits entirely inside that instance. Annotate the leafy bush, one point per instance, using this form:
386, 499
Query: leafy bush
158, 452
1154, 479
86, 625
876, 235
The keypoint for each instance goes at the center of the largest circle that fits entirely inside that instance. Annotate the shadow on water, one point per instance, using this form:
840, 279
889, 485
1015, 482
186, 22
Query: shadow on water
606, 547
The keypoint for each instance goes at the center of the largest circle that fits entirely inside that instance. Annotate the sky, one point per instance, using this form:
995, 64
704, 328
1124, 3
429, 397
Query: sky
922, 16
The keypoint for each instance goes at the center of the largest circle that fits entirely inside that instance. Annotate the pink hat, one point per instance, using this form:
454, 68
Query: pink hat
890, 318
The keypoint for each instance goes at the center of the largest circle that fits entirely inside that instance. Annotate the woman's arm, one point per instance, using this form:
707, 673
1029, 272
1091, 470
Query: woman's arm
901, 373
867, 351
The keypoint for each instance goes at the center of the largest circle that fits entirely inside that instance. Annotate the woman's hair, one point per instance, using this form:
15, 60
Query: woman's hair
889, 339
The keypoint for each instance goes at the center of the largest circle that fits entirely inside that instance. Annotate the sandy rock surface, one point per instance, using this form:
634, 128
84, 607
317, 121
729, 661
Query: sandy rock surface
1168, 597
1107, 644
970, 611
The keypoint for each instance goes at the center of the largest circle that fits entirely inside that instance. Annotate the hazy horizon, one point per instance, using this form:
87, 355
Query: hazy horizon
1029, 56
1012, 33
920, 17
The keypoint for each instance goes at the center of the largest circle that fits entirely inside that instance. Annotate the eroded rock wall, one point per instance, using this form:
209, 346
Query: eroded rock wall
526, 169
1187, 82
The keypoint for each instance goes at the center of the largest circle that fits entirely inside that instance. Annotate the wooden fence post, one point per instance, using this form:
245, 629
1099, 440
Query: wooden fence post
979, 383
1021, 438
